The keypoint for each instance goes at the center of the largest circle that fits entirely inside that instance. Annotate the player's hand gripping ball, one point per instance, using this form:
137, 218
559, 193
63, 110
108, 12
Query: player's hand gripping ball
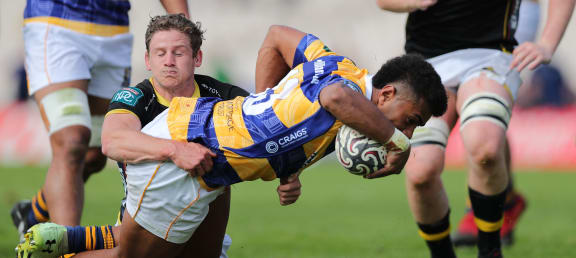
357, 153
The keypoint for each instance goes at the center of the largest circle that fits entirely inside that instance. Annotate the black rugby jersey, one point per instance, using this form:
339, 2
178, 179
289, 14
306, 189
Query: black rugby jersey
142, 101
451, 25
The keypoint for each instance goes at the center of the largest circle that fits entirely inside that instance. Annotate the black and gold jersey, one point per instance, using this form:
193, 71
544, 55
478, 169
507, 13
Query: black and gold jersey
451, 25
143, 101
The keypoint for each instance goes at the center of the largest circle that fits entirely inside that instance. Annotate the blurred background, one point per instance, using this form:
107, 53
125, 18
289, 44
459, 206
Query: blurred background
359, 30
324, 223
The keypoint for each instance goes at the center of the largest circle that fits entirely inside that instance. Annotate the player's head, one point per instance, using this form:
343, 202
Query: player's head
173, 49
408, 90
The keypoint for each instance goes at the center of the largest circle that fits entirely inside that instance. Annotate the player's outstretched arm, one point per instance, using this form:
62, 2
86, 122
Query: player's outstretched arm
532, 54
176, 7
123, 141
403, 6
276, 55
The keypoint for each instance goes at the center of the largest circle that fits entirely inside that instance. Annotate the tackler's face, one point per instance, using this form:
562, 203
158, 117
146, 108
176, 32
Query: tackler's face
171, 58
402, 110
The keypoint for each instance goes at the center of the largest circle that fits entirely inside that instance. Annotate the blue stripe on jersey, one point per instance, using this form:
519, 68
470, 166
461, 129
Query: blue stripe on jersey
106, 12
222, 173
288, 139
202, 116
299, 56
288, 163
318, 74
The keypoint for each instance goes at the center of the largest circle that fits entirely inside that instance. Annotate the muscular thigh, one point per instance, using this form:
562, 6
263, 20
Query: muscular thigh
207, 239
136, 241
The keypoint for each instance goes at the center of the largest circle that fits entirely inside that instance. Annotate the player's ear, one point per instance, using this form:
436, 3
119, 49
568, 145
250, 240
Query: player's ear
198, 58
147, 60
387, 93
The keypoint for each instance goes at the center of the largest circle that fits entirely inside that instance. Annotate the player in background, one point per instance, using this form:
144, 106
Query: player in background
172, 53
479, 65
77, 55
265, 136
467, 233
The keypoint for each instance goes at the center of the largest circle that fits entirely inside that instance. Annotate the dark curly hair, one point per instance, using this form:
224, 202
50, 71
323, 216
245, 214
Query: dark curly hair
418, 75
177, 22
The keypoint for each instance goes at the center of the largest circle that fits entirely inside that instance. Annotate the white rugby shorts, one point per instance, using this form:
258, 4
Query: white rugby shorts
164, 199
55, 54
458, 67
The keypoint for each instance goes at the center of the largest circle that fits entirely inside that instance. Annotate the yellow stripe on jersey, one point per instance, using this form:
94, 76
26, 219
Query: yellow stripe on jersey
81, 27
179, 117
317, 49
249, 169
488, 226
348, 70
296, 108
229, 125
121, 111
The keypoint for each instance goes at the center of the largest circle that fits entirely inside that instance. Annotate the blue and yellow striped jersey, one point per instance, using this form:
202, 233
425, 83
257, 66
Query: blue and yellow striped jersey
274, 133
94, 17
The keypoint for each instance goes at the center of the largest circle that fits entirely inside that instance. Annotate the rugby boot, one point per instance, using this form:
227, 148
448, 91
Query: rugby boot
44, 240
19, 214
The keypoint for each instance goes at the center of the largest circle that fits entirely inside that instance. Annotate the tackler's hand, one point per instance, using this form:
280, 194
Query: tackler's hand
192, 157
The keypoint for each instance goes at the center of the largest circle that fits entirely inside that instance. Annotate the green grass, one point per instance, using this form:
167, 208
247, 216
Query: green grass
338, 215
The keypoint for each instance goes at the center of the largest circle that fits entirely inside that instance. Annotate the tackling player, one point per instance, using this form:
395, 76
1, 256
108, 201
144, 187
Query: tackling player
265, 136
471, 44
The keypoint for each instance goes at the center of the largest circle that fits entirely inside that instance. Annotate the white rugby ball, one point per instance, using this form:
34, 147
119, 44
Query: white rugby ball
357, 153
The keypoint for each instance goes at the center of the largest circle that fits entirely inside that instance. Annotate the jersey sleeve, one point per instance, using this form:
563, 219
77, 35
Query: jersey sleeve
130, 100
310, 48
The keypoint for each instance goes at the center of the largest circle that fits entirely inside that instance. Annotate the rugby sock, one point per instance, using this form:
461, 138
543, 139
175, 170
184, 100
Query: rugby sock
39, 210
89, 238
437, 237
489, 216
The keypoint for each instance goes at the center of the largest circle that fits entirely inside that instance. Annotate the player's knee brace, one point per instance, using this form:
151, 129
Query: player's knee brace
485, 106
66, 107
435, 132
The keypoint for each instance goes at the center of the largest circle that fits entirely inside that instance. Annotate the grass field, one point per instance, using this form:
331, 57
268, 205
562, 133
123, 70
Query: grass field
338, 215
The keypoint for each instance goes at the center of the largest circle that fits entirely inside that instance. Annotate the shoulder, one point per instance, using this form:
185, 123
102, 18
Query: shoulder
133, 95
210, 87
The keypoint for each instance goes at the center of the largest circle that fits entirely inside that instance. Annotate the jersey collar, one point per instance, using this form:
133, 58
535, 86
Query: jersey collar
163, 101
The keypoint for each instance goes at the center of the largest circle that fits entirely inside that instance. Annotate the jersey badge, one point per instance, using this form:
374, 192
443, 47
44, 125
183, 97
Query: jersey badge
128, 96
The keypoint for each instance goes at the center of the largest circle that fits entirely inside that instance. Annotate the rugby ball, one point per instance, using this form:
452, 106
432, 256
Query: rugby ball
357, 153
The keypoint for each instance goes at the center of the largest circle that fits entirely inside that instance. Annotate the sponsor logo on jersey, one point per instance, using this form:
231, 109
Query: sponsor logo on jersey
318, 70
293, 137
271, 147
128, 96
211, 90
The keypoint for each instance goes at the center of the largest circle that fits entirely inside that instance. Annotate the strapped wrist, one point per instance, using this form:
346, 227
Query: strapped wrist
399, 142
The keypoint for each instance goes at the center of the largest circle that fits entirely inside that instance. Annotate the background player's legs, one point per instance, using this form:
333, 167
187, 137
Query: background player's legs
426, 194
64, 185
483, 134
514, 206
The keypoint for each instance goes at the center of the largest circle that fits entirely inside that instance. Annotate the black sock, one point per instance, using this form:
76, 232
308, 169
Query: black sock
437, 238
488, 215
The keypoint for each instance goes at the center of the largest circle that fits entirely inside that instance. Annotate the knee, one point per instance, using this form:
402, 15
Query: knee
72, 143
422, 175
486, 155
